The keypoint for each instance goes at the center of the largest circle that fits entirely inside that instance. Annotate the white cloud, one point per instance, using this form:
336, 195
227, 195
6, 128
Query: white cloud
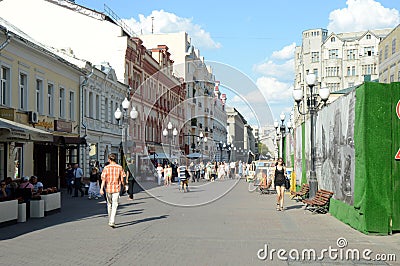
165, 22
274, 90
284, 71
285, 53
362, 15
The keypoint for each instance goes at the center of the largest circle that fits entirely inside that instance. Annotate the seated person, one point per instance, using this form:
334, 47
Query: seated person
4, 191
24, 191
11, 186
37, 186
25, 183
265, 181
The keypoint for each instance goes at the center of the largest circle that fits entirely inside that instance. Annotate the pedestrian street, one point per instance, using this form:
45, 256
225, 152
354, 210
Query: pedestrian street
228, 231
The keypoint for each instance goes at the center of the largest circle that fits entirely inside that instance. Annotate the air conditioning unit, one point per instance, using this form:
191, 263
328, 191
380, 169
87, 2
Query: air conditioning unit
33, 117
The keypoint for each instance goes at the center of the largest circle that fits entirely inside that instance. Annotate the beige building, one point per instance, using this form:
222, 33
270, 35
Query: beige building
39, 108
389, 57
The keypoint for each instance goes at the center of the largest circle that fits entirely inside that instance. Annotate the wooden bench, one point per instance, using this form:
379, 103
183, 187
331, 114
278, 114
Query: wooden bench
320, 203
301, 194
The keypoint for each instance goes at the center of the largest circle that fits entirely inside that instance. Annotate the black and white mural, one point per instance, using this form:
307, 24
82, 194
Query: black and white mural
335, 155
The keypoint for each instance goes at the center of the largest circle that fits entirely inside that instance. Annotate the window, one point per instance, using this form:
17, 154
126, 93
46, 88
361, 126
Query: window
111, 112
393, 46
91, 102
392, 78
332, 71
369, 51
348, 71
97, 107
333, 39
368, 69
333, 53
23, 91
39, 96
351, 54
72, 106
368, 36
4, 85
50, 105
62, 103
386, 51
315, 71
315, 57
106, 116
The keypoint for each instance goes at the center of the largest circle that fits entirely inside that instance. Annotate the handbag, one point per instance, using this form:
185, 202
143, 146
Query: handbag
287, 183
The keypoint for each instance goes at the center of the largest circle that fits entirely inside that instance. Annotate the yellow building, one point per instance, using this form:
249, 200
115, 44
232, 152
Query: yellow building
39, 109
389, 57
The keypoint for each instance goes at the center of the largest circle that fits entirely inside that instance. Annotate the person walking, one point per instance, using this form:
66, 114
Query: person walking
167, 175
279, 181
78, 174
69, 176
160, 171
131, 179
94, 187
184, 178
112, 178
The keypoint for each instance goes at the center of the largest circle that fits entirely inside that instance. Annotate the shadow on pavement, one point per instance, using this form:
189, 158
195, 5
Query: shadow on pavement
119, 225
73, 209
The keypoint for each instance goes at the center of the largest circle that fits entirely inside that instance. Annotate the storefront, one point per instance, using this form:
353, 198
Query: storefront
16, 148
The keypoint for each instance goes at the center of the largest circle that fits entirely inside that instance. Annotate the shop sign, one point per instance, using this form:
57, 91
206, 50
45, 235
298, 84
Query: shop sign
62, 126
7, 113
44, 124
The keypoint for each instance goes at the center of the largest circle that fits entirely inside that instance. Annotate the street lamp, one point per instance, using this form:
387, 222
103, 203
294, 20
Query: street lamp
312, 104
118, 114
281, 131
167, 134
201, 138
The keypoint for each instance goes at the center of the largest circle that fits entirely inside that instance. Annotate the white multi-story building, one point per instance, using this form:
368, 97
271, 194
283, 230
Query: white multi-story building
339, 60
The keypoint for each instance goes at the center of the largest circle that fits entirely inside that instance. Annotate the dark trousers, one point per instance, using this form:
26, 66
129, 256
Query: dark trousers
78, 186
131, 183
69, 186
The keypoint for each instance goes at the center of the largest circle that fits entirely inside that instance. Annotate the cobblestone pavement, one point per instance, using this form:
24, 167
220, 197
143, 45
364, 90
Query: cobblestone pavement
230, 230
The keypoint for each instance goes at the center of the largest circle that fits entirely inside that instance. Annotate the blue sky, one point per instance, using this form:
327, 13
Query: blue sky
255, 37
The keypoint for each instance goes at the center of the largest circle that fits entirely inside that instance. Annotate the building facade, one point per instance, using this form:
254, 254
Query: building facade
339, 60
39, 99
389, 56
205, 105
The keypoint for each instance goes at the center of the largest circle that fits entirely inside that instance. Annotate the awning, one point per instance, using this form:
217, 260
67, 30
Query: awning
13, 131
65, 138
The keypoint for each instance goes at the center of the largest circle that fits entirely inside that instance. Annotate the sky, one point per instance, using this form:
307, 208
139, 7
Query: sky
256, 38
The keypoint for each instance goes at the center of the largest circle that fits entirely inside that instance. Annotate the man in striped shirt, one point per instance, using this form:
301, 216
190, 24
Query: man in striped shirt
112, 177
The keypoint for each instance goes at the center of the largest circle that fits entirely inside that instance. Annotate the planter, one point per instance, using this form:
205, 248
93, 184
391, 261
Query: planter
22, 212
36, 208
52, 202
8, 212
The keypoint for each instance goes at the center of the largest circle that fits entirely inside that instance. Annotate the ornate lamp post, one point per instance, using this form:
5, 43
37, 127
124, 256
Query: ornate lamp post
170, 136
281, 131
118, 114
202, 139
312, 104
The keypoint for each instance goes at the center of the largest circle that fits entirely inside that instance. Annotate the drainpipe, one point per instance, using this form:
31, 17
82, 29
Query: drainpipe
7, 41
83, 125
